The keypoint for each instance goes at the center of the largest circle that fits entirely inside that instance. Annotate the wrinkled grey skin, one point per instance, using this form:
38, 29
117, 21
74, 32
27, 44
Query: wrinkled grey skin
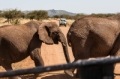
19, 42
94, 37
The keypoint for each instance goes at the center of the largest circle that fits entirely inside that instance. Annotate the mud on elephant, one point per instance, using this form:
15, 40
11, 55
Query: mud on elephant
19, 42
94, 37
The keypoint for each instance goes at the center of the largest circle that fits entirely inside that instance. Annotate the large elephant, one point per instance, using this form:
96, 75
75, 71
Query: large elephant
19, 42
94, 37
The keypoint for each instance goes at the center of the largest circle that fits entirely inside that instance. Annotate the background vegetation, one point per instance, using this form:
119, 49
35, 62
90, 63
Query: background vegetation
13, 16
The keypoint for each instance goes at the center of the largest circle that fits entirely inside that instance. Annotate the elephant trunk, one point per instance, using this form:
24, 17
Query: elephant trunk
65, 49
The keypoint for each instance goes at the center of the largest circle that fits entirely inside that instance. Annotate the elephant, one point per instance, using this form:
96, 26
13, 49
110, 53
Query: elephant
20, 41
91, 37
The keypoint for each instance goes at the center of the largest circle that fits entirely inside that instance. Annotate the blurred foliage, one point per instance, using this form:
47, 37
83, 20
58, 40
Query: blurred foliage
1, 13
12, 15
15, 22
77, 16
37, 14
102, 15
68, 16
63, 16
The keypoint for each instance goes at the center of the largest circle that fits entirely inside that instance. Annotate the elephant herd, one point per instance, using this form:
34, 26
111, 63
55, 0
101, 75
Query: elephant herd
87, 37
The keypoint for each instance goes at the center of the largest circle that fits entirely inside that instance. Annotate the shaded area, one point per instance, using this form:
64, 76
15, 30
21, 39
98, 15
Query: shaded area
58, 76
48, 75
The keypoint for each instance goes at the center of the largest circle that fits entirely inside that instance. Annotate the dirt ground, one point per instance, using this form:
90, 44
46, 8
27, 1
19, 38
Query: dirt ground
52, 55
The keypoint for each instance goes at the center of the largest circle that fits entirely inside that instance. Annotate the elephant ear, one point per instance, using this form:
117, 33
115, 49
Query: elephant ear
44, 34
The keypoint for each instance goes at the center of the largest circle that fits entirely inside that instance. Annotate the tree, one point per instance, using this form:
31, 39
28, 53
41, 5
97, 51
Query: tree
12, 15
30, 15
79, 15
0, 13
102, 15
56, 16
37, 14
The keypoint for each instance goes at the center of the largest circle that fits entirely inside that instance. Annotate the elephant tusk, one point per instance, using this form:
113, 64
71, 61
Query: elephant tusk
63, 43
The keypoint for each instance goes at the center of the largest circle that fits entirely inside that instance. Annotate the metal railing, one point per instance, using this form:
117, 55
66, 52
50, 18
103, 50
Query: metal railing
99, 68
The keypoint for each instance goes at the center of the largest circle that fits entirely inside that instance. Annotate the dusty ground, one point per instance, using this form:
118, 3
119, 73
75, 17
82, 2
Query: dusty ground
52, 55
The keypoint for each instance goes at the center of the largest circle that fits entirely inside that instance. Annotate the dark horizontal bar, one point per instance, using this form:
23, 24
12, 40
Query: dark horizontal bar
79, 63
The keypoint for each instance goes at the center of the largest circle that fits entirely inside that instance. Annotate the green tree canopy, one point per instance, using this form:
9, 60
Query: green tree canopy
12, 15
37, 14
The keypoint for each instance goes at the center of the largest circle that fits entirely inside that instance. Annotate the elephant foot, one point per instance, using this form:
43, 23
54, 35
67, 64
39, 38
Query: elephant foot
69, 72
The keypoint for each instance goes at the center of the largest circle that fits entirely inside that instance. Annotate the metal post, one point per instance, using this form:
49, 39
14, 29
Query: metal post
100, 68
105, 71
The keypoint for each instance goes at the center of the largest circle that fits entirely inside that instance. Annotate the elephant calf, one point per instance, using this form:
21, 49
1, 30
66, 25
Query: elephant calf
19, 42
94, 37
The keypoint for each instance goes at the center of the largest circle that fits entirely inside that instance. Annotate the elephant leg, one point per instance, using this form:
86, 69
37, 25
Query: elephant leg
36, 57
7, 66
79, 53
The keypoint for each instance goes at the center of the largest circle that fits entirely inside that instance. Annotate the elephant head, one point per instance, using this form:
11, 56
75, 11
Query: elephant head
50, 33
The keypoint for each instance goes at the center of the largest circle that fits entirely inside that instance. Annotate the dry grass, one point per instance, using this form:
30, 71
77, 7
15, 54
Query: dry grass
22, 21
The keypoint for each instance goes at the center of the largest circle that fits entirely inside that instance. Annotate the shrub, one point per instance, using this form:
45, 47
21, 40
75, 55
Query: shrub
12, 15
